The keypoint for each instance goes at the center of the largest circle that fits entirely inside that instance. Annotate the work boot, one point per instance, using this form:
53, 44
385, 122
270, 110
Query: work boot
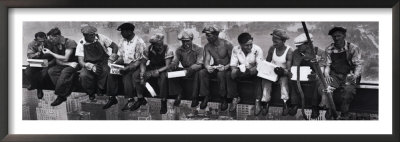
265, 109
204, 103
328, 114
177, 101
195, 102
293, 110
285, 110
58, 101
257, 108
92, 97
314, 113
163, 109
111, 101
224, 104
235, 101
39, 93
128, 104
137, 104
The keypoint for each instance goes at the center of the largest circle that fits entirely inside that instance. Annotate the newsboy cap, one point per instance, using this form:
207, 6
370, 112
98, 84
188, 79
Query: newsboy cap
211, 29
280, 34
156, 37
334, 29
88, 30
126, 26
301, 39
185, 35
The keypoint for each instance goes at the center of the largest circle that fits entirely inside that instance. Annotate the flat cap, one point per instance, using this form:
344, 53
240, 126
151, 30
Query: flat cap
334, 29
126, 26
185, 35
156, 37
280, 34
88, 30
301, 39
211, 29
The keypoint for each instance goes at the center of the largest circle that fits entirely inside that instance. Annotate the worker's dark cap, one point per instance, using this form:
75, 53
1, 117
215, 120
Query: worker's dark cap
335, 29
126, 26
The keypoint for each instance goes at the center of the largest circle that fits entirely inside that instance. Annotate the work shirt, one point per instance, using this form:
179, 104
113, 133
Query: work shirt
64, 45
157, 59
102, 39
132, 50
250, 60
353, 56
188, 57
33, 49
220, 52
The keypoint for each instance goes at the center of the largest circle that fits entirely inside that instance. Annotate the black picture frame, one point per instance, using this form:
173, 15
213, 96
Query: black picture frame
4, 90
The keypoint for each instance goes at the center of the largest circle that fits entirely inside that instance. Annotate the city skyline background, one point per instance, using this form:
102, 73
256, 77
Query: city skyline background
79, 107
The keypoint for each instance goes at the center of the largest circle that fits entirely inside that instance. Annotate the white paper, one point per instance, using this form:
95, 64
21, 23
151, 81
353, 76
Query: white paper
304, 72
176, 74
114, 69
266, 70
38, 62
150, 89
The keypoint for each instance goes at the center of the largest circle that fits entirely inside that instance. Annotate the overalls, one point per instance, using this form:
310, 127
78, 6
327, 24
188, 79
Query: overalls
92, 82
339, 70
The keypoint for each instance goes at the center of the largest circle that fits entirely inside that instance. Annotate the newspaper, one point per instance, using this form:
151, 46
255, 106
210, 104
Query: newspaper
266, 70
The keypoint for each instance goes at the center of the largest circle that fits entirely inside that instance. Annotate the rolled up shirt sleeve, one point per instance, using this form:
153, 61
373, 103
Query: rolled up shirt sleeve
169, 54
79, 49
106, 41
234, 59
356, 60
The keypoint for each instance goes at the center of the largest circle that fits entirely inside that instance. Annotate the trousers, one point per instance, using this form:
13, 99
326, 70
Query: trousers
93, 83
36, 76
283, 82
62, 78
175, 84
237, 76
222, 78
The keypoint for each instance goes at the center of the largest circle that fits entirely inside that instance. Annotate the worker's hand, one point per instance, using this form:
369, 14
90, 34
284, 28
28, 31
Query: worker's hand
73, 64
351, 78
242, 68
210, 69
89, 66
279, 71
221, 67
113, 57
46, 51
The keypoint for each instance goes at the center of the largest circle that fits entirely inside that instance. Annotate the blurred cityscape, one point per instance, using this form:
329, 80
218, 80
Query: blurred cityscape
79, 107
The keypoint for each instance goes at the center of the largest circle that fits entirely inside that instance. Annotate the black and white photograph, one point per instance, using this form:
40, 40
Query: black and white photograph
200, 70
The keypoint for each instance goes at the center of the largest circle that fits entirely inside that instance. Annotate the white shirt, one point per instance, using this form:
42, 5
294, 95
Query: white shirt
251, 60
104, 41
132, 50
280, 60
